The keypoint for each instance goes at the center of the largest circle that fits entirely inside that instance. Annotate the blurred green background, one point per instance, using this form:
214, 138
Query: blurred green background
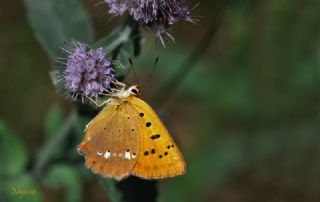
245, 112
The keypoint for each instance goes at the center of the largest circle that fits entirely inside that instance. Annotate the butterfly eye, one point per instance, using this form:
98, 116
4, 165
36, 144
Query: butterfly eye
134, 91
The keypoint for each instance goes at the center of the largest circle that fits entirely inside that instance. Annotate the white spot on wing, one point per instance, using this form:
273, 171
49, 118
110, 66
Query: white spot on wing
120, 155
106, 155
99, 153
114, 154
127, 155
133, 156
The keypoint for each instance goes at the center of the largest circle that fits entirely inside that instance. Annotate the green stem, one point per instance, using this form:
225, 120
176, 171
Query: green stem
124, 36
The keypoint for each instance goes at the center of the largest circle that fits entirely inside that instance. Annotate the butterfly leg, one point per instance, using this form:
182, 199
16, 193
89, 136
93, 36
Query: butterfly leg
96, 103
119, 84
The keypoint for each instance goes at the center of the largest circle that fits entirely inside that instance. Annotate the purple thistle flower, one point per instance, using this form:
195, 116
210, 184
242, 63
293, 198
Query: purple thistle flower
87, 72
155, 15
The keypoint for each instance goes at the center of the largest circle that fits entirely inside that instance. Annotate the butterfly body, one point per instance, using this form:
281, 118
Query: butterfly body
128, 138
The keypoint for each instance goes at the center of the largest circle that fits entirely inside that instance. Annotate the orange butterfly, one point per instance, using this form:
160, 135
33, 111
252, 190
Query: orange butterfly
128, 138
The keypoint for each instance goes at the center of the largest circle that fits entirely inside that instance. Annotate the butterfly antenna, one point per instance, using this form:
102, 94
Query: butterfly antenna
153, 69
133, 70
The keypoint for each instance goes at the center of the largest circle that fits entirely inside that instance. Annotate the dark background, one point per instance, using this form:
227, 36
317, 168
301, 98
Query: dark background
244, 109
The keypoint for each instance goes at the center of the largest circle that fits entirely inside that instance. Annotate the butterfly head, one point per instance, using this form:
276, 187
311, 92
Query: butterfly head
134, 90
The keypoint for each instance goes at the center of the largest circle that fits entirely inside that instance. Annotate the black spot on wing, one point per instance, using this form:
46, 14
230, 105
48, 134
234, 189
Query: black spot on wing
156, 136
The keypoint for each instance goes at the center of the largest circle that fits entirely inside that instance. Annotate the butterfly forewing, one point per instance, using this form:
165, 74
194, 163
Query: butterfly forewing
159, 155
112, 141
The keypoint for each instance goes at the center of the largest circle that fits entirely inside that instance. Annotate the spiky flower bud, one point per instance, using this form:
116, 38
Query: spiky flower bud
86, 72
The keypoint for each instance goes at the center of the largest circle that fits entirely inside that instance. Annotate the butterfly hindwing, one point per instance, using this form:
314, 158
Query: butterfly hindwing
112, 142
159, 155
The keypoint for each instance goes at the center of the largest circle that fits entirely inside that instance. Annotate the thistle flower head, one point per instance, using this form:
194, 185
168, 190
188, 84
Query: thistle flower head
87, 72
155, 15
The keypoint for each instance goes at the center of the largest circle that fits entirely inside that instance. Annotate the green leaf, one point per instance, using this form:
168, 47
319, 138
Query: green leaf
13, 155
54, 121
126, 52
80, 125
57, 21
20, 188
65, 176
